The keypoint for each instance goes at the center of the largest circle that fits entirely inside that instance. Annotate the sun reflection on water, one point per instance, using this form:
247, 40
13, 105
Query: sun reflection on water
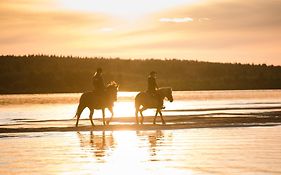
165, 152
126, 152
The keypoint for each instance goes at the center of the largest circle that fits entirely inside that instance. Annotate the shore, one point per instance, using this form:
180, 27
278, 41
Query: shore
128, 123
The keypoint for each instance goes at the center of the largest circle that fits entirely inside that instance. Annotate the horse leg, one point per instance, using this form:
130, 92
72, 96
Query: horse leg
163, 122
77, 121
112, 114
136, 114
91, 116
103, 116
154, 120
142, 118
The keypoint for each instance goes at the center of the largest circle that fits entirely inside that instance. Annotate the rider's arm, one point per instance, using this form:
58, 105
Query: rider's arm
102, 82
155, 83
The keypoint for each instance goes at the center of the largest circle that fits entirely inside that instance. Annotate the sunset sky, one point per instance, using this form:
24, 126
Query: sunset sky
247, 31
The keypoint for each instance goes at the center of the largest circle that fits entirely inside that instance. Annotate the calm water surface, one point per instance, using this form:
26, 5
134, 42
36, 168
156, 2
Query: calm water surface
193, 151
250, 150
63, 106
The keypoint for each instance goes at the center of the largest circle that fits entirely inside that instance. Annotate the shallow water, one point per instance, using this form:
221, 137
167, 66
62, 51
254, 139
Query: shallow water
192, 151
237, 150
63, 106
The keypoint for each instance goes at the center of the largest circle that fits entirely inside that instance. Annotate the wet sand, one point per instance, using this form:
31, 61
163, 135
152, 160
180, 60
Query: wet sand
128, 123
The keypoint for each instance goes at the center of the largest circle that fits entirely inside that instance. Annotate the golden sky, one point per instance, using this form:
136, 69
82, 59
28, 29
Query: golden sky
246, 31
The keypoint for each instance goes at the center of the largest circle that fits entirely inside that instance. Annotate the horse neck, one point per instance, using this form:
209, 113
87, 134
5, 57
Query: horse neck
109, 91
163, 92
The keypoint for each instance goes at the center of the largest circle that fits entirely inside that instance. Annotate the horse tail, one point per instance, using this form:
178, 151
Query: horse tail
80, 107
75, 116
137, 98
76, 113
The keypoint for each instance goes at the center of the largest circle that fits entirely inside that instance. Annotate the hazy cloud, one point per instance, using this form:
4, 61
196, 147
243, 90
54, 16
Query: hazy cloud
203, 19
106, 29
176, 20
210, 30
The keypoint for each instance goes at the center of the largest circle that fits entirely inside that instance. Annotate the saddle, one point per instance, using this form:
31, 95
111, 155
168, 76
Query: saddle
100, 96
154, 99
98, 92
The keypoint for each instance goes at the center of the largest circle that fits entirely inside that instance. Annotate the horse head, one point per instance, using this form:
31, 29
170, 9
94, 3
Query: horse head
169, 95
112, 89
167, 92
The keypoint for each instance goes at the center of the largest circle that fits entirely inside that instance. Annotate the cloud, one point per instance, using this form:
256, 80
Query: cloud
176, 20
21, 26
203, 19
221, 30
27, 29
212, 29
106, 29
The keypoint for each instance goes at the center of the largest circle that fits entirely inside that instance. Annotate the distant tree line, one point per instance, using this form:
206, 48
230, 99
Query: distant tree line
49, 74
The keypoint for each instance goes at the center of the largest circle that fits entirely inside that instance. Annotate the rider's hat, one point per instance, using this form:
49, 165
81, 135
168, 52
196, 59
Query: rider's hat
99, 70
152, 73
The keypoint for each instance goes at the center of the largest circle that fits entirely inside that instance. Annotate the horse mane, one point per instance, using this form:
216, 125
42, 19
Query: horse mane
112, 83
165, 89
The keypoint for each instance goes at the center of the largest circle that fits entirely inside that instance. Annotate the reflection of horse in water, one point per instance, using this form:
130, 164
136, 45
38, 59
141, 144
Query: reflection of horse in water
155, 139
147, 101
99, 143
93, 101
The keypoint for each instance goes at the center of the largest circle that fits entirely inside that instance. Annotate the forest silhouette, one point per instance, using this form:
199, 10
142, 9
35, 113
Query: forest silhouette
54, 74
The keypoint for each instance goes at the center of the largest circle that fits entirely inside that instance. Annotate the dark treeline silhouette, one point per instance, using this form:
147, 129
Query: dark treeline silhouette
48, 74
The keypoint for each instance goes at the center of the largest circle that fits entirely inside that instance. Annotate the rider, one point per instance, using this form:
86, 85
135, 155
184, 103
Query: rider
98, 82
152, 87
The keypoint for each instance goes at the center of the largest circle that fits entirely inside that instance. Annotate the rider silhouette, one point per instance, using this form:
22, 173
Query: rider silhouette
152, 87
98, 82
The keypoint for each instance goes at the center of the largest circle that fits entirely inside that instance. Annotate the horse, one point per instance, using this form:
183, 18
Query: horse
93, 101
147, 101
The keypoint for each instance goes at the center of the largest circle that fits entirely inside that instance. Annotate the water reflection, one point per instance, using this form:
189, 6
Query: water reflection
178, 152
253, 150
99, 144
106, 146
154, 138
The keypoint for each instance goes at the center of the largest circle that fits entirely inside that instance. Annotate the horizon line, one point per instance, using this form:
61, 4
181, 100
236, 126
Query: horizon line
137, 59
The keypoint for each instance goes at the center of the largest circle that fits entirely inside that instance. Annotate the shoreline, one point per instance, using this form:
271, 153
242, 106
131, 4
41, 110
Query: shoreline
144, 127
117, 124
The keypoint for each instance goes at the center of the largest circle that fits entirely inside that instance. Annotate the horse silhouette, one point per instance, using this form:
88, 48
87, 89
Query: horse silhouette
147, 101
93, 101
